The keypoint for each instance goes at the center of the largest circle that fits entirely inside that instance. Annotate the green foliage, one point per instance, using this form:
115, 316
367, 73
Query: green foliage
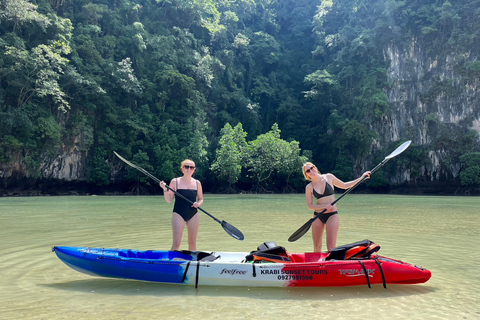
33, 69
415, 159
50, 132
356, 138
289, 173
142, 160
173, 143
99, 168
21, 12
454, 142
39, 71
343, 166
9, 146
269, 154
229, 160
319, 80
158, 81
470, 174
126, 78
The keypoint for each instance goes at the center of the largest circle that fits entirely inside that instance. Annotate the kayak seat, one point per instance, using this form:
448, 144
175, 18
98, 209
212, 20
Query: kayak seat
269, 252
205, 256
354, 251
307, 257
196, 255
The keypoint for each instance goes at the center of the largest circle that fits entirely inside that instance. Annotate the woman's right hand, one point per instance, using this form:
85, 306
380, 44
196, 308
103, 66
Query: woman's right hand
366, 174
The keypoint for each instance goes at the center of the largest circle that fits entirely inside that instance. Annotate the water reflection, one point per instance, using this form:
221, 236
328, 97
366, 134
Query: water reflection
133, 288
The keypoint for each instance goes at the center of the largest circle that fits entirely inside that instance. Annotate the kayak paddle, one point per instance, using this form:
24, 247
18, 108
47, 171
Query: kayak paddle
231, 230
303, 229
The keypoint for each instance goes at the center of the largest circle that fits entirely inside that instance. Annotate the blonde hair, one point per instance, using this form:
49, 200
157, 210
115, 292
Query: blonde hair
303, 170
185, 161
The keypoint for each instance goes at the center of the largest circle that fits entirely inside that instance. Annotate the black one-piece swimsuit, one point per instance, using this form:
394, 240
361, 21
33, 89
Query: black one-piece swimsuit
183, 207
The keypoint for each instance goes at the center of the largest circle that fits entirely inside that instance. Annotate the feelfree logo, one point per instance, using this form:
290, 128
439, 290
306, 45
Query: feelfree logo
233, 271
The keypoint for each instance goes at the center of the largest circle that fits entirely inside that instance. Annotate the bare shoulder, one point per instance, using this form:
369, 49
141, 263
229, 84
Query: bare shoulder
329, 176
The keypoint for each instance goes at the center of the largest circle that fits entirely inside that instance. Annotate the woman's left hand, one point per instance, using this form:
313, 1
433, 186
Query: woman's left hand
366, 174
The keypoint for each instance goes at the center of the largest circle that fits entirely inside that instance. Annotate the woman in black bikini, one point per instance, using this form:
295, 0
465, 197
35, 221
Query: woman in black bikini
322, 188
184, 213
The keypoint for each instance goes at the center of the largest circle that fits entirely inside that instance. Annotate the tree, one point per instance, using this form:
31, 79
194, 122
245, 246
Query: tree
290, 163
99, 168
229, 156
34, 69
173, 143
21, 12
146, 76
470, 174
357, 138
268, 154
141, 159
320, 80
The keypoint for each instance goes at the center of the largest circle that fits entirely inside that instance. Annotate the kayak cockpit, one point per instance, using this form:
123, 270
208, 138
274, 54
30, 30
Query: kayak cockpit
167, 255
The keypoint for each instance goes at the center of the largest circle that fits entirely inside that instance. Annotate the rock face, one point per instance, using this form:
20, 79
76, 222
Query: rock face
69, 166
428, 91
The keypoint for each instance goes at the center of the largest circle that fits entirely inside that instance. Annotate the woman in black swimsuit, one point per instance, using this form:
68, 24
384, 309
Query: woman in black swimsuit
184, 213
322, 188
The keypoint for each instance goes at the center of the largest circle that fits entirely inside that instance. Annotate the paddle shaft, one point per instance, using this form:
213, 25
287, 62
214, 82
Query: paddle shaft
353, 187
145, 172
231, 230
303, 229
189, 201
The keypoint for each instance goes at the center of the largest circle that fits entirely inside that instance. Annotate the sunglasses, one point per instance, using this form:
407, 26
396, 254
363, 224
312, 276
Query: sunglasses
189, 167
309, 169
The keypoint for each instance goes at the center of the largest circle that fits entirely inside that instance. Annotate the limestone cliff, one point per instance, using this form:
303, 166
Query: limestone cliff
69, 164
427, 93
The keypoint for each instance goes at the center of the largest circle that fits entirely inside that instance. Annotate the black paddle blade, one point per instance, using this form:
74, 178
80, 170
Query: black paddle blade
232, 231
301, 231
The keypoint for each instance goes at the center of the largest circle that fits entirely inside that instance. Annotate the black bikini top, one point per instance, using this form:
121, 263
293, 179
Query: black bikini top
328, 191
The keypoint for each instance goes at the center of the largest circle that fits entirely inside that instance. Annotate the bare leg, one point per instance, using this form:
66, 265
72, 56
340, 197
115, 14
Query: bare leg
192, 227
333, 225
178, 224
317, 234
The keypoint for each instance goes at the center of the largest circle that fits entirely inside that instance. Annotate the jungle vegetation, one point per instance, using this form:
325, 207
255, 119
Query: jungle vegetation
248, 89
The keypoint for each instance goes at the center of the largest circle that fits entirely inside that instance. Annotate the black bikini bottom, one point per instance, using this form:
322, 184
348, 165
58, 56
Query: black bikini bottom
324, 216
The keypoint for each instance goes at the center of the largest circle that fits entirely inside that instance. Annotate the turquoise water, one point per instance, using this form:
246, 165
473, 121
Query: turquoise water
438, 233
